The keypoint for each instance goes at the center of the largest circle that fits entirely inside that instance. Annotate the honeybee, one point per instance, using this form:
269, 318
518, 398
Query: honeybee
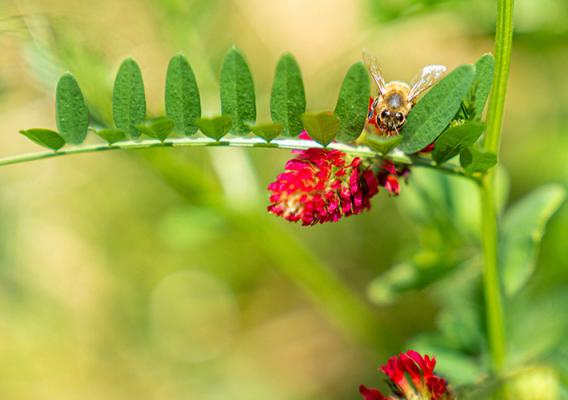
395, 99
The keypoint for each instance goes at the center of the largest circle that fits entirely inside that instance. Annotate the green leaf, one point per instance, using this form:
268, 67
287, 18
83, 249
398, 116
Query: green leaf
322, 127
111, 135
183, 104
215, 128
353, 103
399, 279
453, 364
522, 231
455, 139
476, 160
237, 92
288, 99
482, 83
45, 137
535, 328
128, 98
383, 144
71, 111
158, 128
436, 109
268, 131
431, 264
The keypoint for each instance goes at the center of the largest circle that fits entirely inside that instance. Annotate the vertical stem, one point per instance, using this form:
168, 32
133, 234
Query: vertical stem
491, 277
503, 46
489, 217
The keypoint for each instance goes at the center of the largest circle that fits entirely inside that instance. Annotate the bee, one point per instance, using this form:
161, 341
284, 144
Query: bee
395, 99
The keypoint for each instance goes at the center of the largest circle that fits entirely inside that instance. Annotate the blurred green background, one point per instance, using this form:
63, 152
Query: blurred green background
156, 274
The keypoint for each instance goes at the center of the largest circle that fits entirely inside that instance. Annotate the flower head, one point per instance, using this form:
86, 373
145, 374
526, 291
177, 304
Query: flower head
321, 185
411, 376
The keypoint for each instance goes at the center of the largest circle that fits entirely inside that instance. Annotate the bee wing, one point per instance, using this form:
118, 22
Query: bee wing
425, 80
374, 70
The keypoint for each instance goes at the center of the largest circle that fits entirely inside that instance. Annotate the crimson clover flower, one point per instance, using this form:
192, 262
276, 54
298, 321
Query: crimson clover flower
410, 376
320, 185
324, 185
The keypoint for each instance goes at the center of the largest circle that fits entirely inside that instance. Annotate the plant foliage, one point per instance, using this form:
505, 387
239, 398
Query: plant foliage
288, 99
72, 114
128, 98
238, 99
449, 114
183, 104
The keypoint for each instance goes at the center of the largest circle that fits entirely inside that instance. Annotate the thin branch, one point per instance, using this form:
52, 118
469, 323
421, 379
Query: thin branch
286, 144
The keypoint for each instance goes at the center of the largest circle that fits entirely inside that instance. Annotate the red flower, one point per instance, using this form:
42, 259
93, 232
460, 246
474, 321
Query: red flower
371, 394
425, 363
388, 177
429, 148
321, 185
394, 370
424, 385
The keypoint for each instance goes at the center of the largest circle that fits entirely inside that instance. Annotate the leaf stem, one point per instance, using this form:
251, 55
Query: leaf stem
489, 217
287, 144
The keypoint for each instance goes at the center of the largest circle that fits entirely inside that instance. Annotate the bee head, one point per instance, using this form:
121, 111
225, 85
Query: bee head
391, 120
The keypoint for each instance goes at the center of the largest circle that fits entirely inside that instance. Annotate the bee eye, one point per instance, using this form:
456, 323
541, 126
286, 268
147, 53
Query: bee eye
385, 114
399, 117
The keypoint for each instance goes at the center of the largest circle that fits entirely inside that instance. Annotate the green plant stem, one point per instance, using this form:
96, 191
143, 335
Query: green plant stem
287, 144
491, 277
489, 218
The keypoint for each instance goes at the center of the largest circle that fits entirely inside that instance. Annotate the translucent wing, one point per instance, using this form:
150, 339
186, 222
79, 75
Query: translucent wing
373, 67
425, 80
